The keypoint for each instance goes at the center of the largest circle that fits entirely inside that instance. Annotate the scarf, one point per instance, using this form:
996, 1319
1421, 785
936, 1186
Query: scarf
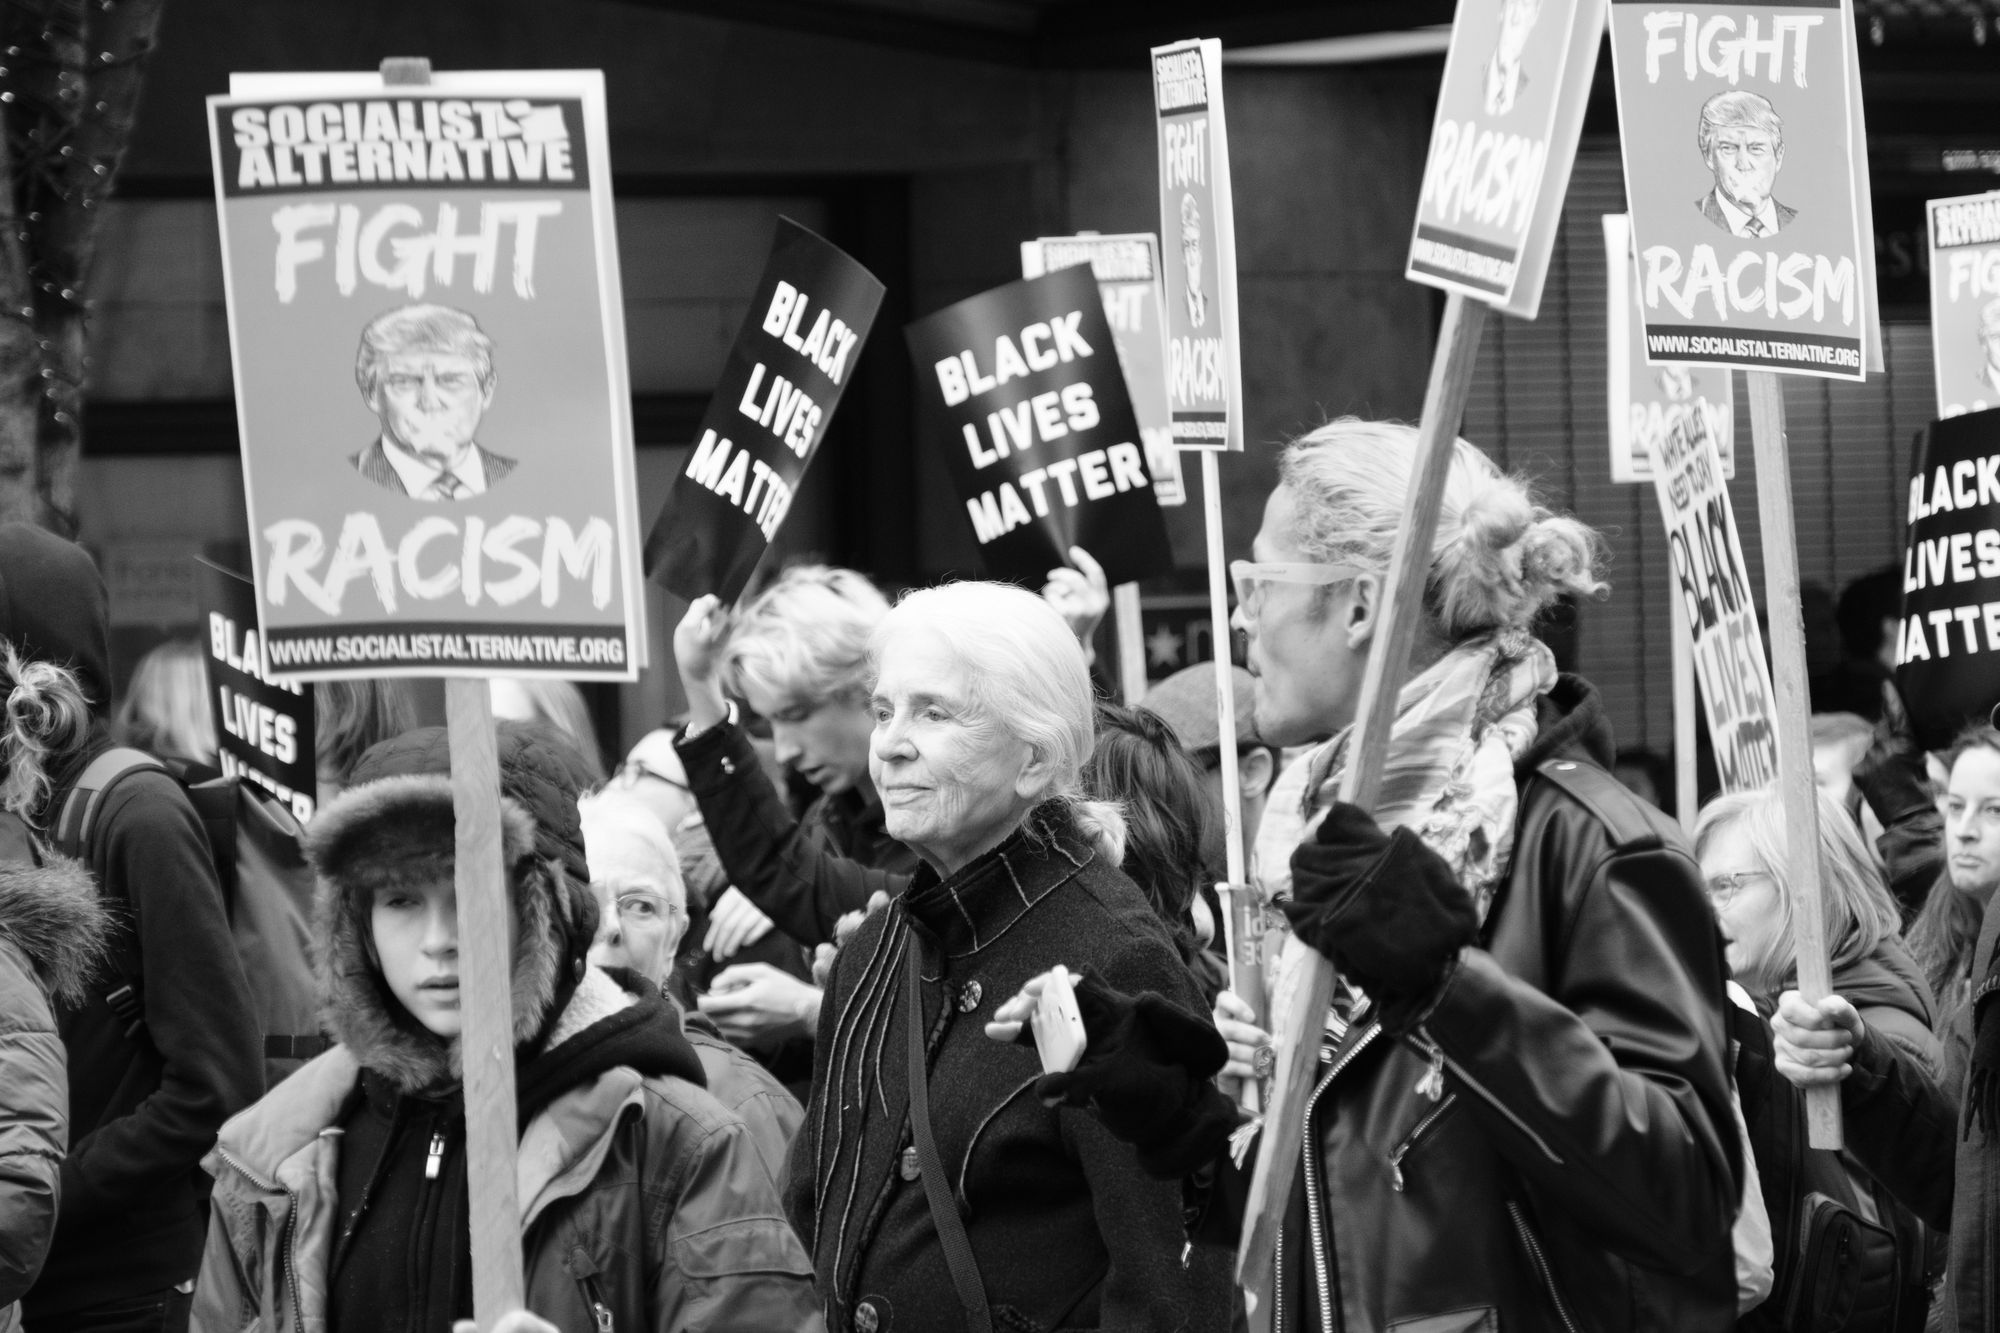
1449, 775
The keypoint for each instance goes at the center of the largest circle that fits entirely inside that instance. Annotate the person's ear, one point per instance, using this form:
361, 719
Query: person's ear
486, 394
1364, 608
1256, 770
1035, 777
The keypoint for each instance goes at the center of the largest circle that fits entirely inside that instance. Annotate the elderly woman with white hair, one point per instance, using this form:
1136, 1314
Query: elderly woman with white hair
934, 1190
642, 914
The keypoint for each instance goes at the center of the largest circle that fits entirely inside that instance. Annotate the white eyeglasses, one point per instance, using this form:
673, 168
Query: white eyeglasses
1247, 574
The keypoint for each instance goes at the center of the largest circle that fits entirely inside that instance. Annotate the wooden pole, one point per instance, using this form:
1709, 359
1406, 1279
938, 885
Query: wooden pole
1792, 708
1686, 795
1300, 1006
485, 982
1131, 642
1246, 973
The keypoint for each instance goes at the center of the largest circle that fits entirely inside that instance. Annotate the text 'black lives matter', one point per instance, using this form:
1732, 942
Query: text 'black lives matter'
792, 359
1021, 388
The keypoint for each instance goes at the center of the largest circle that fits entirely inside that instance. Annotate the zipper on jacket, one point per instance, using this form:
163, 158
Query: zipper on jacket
1415, 1136
288, 1252
435, 1161
1309, 1154
600, 1313
1541, 1264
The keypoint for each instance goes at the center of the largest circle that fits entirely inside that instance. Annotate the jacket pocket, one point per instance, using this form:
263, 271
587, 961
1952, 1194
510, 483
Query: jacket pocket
1421, 1131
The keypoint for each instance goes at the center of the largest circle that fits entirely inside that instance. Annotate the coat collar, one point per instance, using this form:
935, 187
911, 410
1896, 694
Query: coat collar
981, 901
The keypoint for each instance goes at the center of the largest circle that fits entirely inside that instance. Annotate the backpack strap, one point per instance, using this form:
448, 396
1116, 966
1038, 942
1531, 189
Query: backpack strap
77, 820
76, 824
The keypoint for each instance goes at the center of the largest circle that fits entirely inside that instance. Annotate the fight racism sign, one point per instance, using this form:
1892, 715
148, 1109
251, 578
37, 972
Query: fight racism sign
429, 355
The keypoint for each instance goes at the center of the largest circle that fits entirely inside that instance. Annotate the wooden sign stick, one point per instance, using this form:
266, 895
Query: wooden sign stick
486, 1005
1301, 1014
1131, 632
1686, 796
1246, 975
1792, 707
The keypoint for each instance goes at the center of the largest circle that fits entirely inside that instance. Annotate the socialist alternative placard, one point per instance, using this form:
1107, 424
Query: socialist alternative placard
1965, 302
1647, 402
1948, 644
429, 357
1713, 584
1127, 266
792, 360
263, 726
1020, 386
1745, 168
1516, 78
1198, 230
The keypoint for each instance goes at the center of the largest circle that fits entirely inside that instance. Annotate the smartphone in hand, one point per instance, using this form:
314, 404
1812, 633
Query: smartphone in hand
1058, 1024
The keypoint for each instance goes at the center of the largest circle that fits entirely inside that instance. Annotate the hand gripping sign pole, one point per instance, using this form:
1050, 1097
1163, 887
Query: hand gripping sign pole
1305, 989
486, 992
1788, 677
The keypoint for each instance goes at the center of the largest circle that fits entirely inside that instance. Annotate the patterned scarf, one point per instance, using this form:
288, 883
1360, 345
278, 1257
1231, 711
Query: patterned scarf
1449, 775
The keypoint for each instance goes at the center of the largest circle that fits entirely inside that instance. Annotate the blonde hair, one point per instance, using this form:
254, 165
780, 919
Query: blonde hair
44, 720
805, 638
166, 708
1855, 903
1499, 557
1027, 675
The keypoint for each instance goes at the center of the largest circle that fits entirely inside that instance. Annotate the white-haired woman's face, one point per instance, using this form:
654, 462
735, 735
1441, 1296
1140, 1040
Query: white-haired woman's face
639, 925
953, 782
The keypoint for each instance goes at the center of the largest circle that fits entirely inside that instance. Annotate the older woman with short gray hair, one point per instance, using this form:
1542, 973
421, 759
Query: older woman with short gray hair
983, 719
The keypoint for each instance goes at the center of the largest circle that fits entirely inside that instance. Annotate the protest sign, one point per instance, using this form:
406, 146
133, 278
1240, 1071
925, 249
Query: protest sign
1021, 388
1965, 302
428, 347
1746, 171
1204, 361
1516, 78
263, 726
1948, 644
792, 360
1648, 401
1128, 278
1712, 584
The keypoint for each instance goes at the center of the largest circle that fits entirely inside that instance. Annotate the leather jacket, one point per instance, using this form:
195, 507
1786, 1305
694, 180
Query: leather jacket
1551, 1147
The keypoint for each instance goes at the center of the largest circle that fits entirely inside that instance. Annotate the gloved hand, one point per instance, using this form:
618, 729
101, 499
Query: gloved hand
1384, 907
1146, 1071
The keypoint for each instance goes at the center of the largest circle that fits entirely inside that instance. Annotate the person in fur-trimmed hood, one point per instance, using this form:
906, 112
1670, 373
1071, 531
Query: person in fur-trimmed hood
340, 1199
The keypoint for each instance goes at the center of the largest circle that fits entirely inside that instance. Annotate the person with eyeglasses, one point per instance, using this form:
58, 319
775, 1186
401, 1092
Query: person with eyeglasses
1521, 1117
1742, 842
642, 917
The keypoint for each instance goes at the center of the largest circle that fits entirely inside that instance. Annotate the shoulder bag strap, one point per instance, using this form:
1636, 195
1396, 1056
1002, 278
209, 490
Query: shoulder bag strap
937, 1185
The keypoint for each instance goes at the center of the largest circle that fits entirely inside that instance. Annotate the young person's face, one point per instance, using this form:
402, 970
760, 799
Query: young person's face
415, 930
824, 741
1972, 822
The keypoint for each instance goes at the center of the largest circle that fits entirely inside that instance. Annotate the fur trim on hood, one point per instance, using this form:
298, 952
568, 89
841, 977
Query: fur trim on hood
399, 830
53, 914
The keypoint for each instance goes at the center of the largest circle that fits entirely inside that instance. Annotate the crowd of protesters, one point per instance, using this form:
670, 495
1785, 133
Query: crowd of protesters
772, 976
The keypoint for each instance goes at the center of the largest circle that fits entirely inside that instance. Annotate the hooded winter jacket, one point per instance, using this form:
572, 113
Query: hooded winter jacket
51, 936
144, 1102
645, 1204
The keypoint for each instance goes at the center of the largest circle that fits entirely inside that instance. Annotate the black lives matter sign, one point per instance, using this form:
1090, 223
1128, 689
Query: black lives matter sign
263, 727
1948, 645
1021, 388
792, 359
